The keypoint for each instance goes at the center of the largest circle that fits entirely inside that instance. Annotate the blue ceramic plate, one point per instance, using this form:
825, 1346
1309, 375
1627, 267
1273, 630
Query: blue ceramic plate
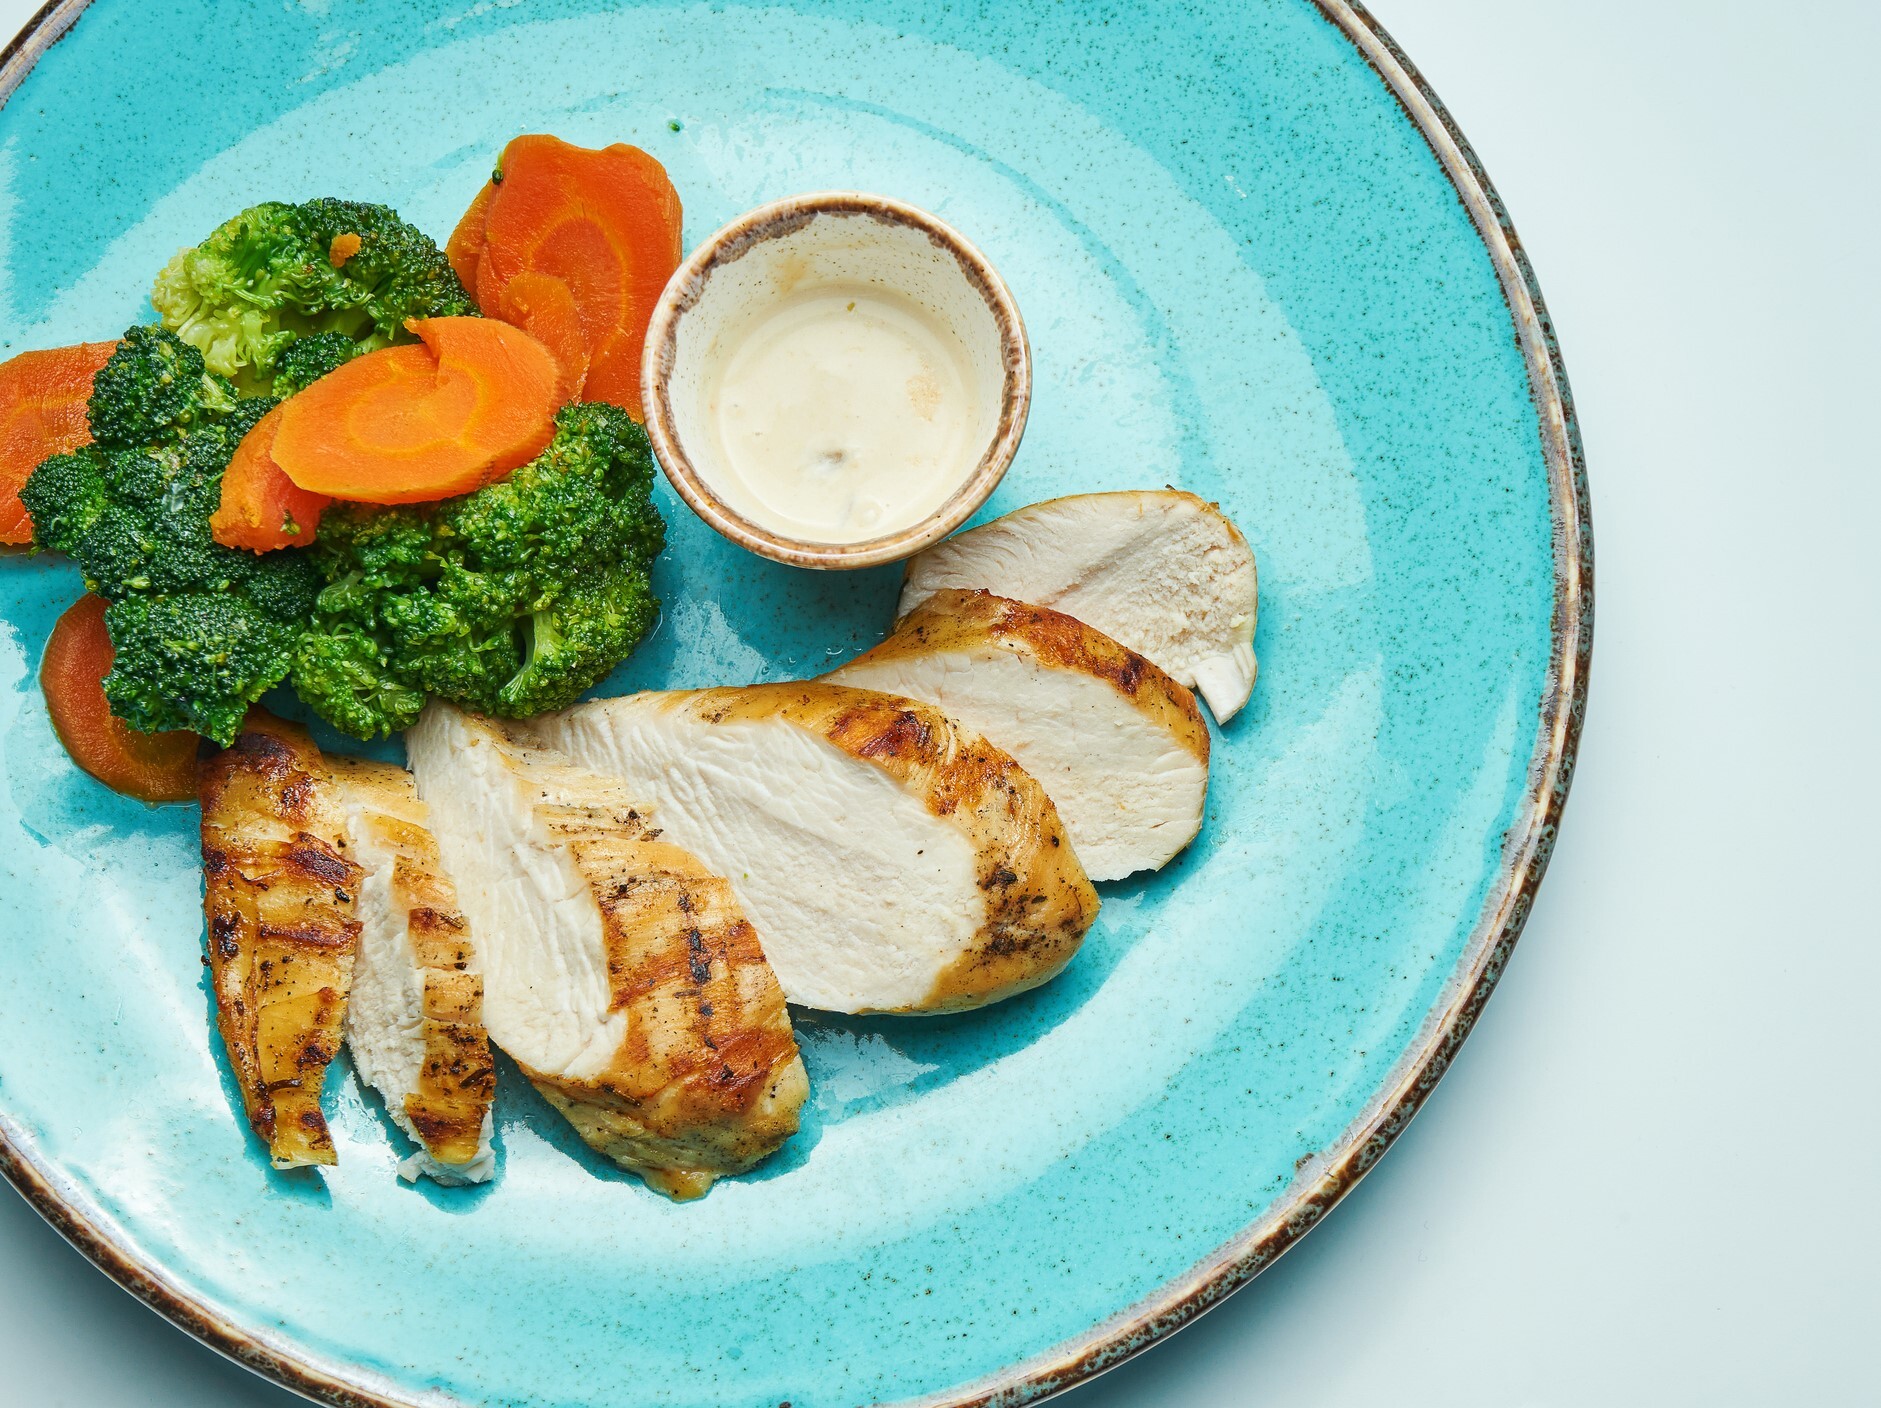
1258, 263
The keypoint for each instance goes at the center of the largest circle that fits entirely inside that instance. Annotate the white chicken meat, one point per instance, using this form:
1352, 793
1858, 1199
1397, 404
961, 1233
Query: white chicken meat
1161, 571
892, 860
1119, 745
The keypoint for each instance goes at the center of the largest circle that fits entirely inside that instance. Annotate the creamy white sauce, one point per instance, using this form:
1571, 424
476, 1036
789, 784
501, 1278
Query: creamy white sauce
843, 413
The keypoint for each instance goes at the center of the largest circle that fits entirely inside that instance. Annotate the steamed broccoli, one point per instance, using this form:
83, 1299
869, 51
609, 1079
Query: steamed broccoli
196, 659
200, 630
269, 277
340, 672
511, 600
153, 390
307, 359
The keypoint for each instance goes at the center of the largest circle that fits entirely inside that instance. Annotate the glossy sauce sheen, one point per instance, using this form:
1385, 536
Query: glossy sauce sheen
844, 413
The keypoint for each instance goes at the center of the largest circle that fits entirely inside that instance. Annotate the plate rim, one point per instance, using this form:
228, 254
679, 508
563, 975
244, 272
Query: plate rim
1324, 1179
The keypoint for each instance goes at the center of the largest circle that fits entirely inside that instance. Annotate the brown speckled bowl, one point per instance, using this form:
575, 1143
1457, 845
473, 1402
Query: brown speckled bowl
828, 237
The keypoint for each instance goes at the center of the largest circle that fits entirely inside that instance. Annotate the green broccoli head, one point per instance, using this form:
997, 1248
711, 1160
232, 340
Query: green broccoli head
200, 630
307, 359
154, 388
512, 600
138, 520
283, 584
267, 278
195, 660
343, 675
66, 496
579, 638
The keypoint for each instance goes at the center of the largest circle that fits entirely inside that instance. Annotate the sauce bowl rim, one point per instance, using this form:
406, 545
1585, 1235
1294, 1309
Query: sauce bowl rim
775, 220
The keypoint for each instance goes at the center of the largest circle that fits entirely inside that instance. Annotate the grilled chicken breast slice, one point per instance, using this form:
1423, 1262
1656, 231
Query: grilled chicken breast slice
280, 897
1160, 571
415, 1019
1119, 745
619, 971
892, 860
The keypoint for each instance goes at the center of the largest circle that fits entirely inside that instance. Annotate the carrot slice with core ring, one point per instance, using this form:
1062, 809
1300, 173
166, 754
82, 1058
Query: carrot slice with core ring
472, 401
542, 306
606, 223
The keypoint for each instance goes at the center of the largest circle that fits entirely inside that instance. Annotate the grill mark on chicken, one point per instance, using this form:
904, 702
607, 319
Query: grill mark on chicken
697, 963
447, 1107
675, 938
1003, 814
683, 968
311, 935
282, 931
1131, 790
297, 797
314, 859
271, 757
1062, 640
907, 736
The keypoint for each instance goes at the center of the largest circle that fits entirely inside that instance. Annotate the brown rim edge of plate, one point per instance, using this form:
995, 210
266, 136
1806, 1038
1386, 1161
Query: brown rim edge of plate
1327, 1177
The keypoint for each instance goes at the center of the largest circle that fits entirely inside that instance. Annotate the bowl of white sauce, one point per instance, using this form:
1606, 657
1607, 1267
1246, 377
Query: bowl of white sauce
836, 380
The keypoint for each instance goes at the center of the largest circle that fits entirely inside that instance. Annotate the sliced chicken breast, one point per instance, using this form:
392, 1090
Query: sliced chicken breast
1119, 745
280, 897
415, 1020
892, 860
618, 970
1160, 571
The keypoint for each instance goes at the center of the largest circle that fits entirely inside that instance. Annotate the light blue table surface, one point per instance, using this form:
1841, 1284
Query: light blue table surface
1649, 1180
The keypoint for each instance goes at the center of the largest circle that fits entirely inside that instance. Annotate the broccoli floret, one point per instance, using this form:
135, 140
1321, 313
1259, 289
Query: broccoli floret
243, 418
194, 660
307, 359
200, 630
342, 675
284, 584
511, 600
579, 638
269, 277
153, 389
66, 496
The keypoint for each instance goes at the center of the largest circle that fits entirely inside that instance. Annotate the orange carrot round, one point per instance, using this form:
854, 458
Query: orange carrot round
153, 767
465, 246
262, 509
542, 306
604, 222
472, 401
42, 414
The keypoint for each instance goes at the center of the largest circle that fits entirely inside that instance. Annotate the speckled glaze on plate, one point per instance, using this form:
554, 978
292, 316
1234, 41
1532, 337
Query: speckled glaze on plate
1256, 262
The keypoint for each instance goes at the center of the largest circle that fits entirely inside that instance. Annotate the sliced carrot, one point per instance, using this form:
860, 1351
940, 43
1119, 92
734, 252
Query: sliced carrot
465, 246
342, 248
262, 509
542, 306
604, 222
515, 376
472, 400
489, 290
42, 414
154, 767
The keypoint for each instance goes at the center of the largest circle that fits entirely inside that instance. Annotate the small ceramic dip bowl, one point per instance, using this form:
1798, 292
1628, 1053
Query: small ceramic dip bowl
836, 380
